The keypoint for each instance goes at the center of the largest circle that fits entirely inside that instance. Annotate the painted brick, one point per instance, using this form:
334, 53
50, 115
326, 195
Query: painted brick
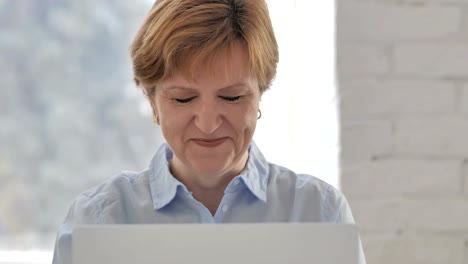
464, 100
361, 141
466, 253
362, 60
363, 99
465, 179
403, 178
447, 60
413, 248
437, 137
404, 126
393, 22
430, 214
420, 3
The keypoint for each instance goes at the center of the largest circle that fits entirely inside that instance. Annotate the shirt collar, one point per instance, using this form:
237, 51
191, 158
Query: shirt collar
255, 174
164, 185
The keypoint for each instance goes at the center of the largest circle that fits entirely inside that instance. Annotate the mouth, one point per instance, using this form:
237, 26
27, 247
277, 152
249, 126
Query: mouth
209, 143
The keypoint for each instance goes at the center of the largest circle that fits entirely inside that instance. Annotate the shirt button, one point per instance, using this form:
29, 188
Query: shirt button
225, 208
236, 181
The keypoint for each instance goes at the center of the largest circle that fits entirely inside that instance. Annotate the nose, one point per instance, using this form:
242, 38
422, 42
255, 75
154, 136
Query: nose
208, 117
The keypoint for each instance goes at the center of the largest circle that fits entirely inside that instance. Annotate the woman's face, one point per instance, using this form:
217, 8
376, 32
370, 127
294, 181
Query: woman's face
209, 120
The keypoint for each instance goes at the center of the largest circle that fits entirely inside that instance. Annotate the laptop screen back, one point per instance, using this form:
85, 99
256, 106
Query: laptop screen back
290, 243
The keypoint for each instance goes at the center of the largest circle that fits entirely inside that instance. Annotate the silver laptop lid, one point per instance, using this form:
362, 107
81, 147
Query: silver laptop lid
281, 243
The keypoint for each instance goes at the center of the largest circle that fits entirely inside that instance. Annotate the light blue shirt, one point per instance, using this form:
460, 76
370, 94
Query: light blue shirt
263, 192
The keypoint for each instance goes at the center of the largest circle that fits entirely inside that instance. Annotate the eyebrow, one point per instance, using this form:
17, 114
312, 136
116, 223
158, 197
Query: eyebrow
191, 88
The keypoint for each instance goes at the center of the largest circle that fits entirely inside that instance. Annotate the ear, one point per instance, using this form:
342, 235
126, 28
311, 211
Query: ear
151, 96
155, 111
154, 106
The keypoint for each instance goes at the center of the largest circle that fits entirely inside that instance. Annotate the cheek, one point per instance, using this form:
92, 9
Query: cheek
175, 121
249, 117
253, 110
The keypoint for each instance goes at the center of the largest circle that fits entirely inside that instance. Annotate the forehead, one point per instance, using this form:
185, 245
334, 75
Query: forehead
225, 67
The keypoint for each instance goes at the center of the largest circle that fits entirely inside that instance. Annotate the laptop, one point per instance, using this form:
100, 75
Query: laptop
259, 243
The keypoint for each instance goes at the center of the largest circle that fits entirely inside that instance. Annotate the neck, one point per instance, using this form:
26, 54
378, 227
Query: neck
207, 188
209, 198
210, 195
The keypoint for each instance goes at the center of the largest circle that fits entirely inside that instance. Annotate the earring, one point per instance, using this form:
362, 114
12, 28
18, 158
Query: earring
156, 119
259, 114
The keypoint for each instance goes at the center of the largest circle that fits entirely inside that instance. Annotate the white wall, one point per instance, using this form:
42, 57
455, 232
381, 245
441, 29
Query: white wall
403, 74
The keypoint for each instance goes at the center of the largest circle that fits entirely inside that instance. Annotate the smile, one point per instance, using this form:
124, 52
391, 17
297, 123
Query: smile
209, 143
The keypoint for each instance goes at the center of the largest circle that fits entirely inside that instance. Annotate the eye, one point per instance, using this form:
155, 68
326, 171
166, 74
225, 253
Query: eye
184, 100
231, 98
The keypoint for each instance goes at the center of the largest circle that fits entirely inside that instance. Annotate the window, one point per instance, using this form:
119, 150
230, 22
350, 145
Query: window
299, 124
68, 117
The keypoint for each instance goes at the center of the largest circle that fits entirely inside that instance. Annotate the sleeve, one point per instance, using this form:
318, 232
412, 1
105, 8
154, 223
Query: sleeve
82, 211
345, 215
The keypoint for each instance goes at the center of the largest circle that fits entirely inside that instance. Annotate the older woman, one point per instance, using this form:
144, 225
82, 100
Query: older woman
204, 65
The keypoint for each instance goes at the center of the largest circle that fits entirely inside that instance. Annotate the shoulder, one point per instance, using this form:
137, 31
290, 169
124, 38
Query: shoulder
101, 204
279, 175
92, 205
126, 182
310, 196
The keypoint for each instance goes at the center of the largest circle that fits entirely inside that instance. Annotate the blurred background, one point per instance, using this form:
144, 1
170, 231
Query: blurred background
70, 114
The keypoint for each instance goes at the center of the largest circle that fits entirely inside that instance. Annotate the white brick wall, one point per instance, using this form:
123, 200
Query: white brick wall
393, 98
425, 214
414, 248
403, 84
465, 180
436, 137
432, 60
365, 141
373, 60
389, 22
464, 100
405, 178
